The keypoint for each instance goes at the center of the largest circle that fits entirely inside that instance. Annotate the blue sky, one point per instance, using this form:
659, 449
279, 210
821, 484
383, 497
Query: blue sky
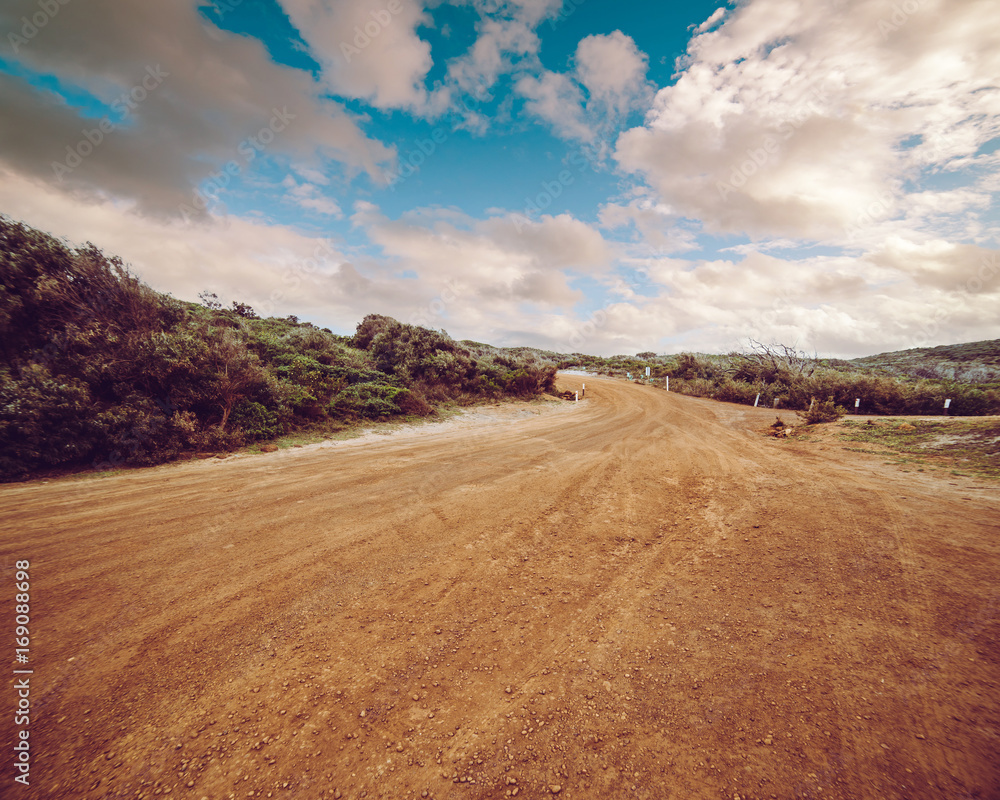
581, 176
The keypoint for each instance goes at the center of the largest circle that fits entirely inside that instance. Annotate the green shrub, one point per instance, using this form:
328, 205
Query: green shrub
369, 401
136, 432
254, 421
45, 420
736, 391
825, 411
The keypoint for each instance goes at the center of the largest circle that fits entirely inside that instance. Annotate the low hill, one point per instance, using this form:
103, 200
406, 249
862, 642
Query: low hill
972, 362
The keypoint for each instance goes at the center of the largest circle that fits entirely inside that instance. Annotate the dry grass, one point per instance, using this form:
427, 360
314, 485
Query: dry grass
968, 447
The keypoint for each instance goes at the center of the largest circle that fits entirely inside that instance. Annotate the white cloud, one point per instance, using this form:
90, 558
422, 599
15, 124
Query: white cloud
936, 263
792, 117
709, 23
501, 279
506, 36
369, 49
556, 99
495, 255
613, 70
310, 174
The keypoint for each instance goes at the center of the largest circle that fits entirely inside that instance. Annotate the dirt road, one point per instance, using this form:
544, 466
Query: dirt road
635, 596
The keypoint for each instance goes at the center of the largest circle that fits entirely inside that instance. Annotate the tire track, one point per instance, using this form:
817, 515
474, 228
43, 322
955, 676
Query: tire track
890, 594
637, 596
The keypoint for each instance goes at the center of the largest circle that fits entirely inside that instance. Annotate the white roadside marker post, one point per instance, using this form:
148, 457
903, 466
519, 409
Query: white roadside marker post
947, 404
668, 382
577, 399
857, 403
647, 372
756, 400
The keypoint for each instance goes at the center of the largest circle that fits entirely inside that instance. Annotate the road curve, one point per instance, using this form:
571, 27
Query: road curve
638, 596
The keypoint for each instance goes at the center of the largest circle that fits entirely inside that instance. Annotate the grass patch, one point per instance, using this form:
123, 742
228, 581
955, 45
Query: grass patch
965, 447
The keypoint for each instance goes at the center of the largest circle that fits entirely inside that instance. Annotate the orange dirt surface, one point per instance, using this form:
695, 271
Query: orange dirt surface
639, 595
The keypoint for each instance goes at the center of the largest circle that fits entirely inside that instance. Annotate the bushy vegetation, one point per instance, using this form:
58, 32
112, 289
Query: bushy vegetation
787, 379
98, 369
910, 382
826, 411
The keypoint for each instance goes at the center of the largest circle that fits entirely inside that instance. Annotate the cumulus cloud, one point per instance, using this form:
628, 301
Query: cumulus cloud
500, 256
506, 36
371, 50
368, 49
497, 276
792, 117
178, 99
557, 99
607, 82
709, 23
835, 305
613, 69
